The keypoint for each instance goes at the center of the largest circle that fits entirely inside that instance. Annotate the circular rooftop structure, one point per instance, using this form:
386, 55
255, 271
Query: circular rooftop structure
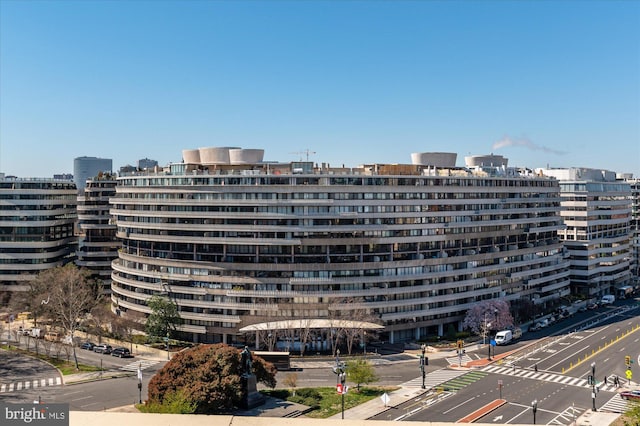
437, 159
191, 156
215, 155
486, 161
246, 156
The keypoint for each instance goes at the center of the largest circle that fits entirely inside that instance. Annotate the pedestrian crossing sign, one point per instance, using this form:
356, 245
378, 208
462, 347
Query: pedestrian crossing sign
629, 374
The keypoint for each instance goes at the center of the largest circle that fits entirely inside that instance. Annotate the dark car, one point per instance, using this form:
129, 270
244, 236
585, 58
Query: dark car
592, 306
121, 352
88, 346
632, 394
103, 349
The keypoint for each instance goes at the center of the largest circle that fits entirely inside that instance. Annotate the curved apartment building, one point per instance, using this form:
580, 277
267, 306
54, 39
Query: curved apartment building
97, 245
37, 219
414, 245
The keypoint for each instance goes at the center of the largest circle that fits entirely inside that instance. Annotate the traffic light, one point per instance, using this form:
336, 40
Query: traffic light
590, 380
627, 360
460, 344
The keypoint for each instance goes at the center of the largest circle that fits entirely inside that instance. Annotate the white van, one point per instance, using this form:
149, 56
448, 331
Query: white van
607, 299
503, 337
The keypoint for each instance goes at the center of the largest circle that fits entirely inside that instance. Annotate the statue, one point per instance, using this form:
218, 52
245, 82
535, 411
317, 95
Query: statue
246, 361
250, 396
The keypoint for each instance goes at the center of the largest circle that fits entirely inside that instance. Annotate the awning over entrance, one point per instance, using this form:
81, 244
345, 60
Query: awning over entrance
311, 324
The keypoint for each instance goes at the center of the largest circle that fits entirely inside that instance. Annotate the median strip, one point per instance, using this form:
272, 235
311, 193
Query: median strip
482, 411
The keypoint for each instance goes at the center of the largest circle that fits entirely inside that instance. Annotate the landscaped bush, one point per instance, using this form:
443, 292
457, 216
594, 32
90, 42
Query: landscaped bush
307, 396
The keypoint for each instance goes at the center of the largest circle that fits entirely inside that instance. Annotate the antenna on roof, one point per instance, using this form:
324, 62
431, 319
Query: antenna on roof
306, 152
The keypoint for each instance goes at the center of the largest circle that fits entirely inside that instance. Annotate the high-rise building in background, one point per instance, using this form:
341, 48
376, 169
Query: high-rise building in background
596, 209
88, 167
97, 244
236, 241
147, 164
37, 220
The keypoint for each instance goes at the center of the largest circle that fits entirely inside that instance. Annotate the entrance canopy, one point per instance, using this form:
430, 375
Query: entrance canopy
311, 324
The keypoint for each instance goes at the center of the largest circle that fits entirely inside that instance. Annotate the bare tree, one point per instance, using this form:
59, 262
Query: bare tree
291, 380
269, 337
101, 320
127, 326
289, 334
34, 299
304, 332
72, 294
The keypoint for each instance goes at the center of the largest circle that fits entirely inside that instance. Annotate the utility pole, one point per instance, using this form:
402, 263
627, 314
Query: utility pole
424, 361
594, 389
341, 378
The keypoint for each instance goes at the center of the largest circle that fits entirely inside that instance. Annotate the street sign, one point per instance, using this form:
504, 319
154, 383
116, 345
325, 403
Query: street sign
339, 388
499, 382
385, 398
629, 374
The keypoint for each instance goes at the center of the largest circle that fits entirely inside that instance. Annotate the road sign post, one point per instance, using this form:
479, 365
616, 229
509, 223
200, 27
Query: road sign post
500, 387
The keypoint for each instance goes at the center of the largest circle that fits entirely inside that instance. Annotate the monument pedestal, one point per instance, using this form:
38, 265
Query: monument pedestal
250, 396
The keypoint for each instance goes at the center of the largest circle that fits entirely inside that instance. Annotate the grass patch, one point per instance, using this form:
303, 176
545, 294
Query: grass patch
65, 367
325, 402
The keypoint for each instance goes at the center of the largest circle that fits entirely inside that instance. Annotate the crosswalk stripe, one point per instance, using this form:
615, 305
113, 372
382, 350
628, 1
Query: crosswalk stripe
549, 377
30, 384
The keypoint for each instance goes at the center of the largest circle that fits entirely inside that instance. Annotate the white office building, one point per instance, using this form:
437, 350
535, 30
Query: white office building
596, 209
37, 218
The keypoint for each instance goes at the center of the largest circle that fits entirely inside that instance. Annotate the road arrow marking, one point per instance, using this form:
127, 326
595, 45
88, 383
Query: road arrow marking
496, 418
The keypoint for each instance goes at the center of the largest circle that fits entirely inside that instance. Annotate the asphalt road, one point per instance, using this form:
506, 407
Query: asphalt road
559, 386
605, 344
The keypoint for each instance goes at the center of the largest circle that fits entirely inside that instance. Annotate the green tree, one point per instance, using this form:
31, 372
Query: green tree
361, 371
164, 318
210, 375
631, 417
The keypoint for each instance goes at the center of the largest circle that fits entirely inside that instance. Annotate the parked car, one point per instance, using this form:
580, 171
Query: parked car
121, 352
103, 349
87, 346
632, 394
52, 336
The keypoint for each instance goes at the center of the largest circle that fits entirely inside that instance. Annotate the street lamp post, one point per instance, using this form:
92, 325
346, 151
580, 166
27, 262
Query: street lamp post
140, 383
593, 382
486, 331
423, 362
341, 378
534, 408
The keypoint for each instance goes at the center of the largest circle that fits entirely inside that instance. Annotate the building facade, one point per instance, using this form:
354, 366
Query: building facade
37, 219
97, 242
596, 209
88, 167
236, 245
634, 184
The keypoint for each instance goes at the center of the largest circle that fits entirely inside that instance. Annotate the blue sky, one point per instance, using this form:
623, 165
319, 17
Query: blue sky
540, 82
